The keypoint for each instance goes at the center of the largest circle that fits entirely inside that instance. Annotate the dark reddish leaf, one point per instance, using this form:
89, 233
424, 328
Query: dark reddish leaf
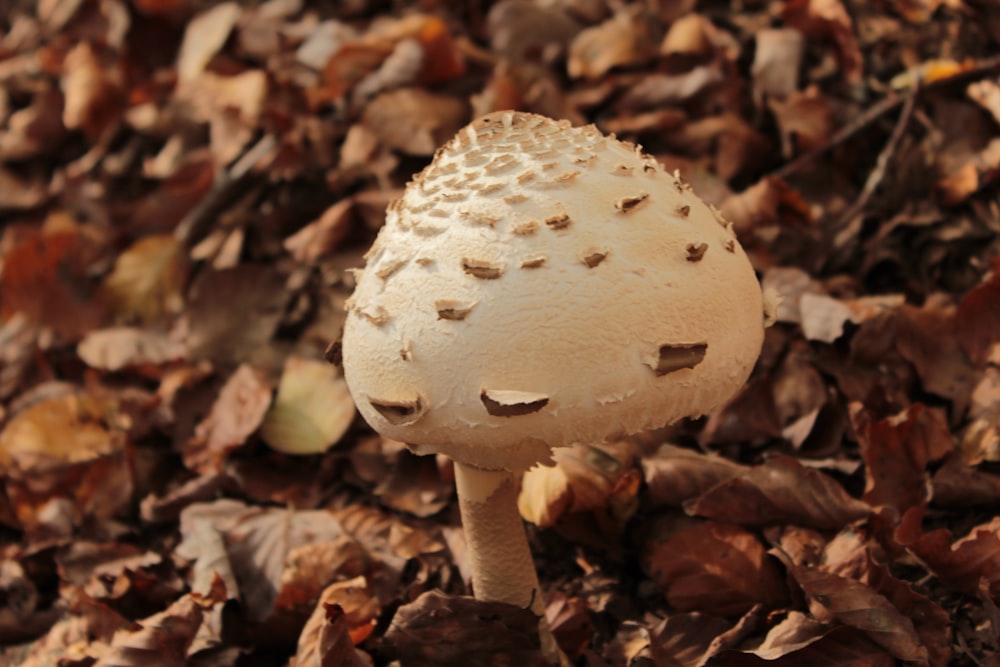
711, 567
436, 629
978, 316
780, 491
675, 475
839, 647
855, 604
962, 563
897, 451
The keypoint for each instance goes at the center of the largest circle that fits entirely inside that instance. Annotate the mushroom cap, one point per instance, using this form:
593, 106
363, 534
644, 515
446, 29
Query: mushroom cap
538, 285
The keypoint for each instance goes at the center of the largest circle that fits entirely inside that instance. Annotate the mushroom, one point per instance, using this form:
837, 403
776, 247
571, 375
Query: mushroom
604, 304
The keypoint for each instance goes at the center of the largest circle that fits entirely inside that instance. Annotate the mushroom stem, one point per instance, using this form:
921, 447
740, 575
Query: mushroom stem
502, 568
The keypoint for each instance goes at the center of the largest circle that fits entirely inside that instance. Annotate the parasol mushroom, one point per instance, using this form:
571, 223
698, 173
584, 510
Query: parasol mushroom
535, 286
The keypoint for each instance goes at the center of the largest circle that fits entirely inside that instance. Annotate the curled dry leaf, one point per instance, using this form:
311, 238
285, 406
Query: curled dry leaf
675, 475
258, 540
978, 317
624, 40
520, 30
413, 120
711, 567
828, 20
128, 347
777, 59
65, 459
236, 414
897, 451
310, 567
47, 277
321, 236
770, 201
413, 484
311, 410
326, 640
584, 478
957, 485
684, 640
805, 120
91, 90
855, 604
233, 313
437, 629
800, 641
204, 36
163, 639
148, 279
962, 563
780, 491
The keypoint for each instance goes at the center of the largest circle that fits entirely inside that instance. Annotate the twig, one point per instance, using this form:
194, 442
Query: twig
981, 70
884, 158
193, 227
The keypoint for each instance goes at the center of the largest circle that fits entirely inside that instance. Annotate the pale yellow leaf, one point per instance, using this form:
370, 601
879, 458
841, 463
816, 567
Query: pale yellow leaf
312, 410
148, 279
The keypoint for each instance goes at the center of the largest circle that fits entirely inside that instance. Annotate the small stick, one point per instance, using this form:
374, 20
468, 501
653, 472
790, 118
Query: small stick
981, 70
884, 158
191, 229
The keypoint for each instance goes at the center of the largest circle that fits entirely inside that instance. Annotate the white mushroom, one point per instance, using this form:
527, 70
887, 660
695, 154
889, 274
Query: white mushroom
618, 282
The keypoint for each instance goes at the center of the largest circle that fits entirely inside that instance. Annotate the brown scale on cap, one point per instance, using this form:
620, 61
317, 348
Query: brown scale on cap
628, 204
695, 251
482, 269
593, 257
559, 221
399, 412
674, 357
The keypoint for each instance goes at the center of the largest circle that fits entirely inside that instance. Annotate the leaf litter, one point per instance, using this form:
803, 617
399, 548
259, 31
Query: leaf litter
185, 186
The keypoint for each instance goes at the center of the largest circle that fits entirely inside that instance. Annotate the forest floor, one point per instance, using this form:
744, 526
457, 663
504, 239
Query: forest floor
185, 186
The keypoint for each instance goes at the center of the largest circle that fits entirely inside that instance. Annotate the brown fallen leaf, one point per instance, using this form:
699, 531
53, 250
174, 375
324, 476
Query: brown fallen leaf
711, 567
897, 451
117, 348
675, 475
520, 30
770, 201
828, 20
326, 640
238, 411
322, 236
957, 485
855, 604
311, 567
413, 120
232, 314
977, 319
805, 120
437, 629
584, 478
204, 35
780, 491
683, 640
163, 639
776, 62
806, 644
257, 542
961, 563
65, 460
47, 278
624, 40
413, 484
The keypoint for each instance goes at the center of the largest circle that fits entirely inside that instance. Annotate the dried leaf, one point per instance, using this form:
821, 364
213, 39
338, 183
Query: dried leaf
711, 567
236, 414
47, 277
838, 647
128, 347
675, 475
767, 202
777, 59
204, 36
584, 478
780, 491
311, 567
520, 30
624, 40
436, 629
322, 236
258, 541
962, 563
413, 120
977, 320
828, 20
855, 604
311, 410
326, 639
897, 451
162, 640
65, 459
148, 280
